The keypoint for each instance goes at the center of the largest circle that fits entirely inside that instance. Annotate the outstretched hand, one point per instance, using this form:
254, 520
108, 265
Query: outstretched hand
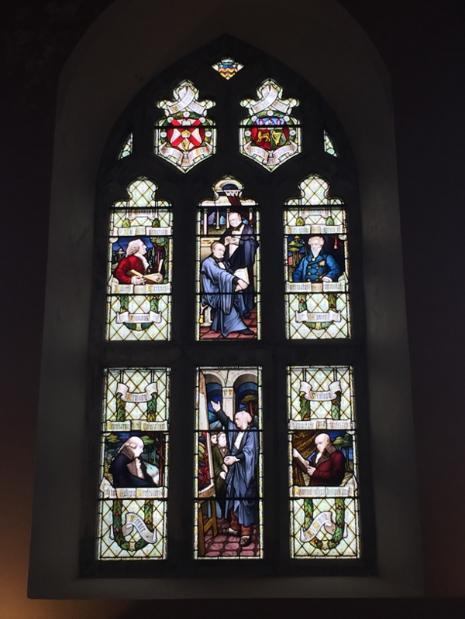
216, 406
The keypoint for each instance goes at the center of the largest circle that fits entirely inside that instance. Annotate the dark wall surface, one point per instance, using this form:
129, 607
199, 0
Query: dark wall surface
423, 46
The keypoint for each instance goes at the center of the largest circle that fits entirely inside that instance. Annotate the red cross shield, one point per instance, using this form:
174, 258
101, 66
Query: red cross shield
186, 135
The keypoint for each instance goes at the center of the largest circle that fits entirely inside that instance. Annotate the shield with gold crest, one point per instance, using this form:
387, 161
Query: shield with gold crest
185, 137
270, 135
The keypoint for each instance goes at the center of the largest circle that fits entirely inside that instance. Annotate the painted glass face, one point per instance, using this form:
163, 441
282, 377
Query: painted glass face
323, 470
139, 266
316, 263
228, 253
322, 464
134, 464
228, 465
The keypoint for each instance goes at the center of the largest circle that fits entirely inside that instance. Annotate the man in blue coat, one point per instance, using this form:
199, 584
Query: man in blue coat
317, 266
241, 481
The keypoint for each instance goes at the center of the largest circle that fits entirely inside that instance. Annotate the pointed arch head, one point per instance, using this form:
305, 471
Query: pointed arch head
118, 55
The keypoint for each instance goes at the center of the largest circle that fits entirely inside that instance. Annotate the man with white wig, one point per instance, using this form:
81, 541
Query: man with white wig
134, 262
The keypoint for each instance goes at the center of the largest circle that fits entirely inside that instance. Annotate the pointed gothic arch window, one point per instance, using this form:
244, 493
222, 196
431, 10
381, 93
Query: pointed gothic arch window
227, 369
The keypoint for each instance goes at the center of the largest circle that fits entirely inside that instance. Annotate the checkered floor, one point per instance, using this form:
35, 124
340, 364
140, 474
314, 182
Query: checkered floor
223, 545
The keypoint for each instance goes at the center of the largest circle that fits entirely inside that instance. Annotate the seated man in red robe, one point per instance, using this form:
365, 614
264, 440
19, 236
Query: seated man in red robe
326, 465
134, 262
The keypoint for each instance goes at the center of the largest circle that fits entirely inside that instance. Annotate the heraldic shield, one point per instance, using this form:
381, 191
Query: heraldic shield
185, 137
269, 135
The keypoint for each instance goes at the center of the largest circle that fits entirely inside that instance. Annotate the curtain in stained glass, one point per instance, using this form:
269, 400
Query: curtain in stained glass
185, 136
134, 465
270, 135
228, 278
323, 468
228, 469
139, 266
316, 264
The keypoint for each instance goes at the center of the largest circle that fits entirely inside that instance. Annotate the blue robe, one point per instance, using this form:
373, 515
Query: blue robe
218, 292
313, 268
241, 481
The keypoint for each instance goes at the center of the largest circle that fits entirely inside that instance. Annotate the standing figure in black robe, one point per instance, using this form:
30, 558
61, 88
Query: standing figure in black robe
241, 479
241, 246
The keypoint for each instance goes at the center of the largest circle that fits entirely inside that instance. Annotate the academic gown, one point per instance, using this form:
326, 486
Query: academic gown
123, 478
243, 257
218, 292
241, 482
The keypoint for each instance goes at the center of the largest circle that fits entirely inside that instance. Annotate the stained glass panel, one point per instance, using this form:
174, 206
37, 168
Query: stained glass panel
323, 468
228, 471
270, 135
316, 265
185, 136
328, 145
227, 68
228, 278
139, 266
126, 149
134, 464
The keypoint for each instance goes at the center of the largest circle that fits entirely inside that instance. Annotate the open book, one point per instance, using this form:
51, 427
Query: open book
243, 274
152, 278
300, 460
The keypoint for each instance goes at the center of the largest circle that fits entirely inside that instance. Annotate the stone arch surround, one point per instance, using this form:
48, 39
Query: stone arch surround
128, 44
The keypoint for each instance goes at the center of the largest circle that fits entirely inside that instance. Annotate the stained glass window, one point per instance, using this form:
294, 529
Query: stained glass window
134, 465
328, 145
316, 264
228, 277
323, 469
243, 245
270, 135
126, 149
227, 68
139, 266
185, 136
228, 451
